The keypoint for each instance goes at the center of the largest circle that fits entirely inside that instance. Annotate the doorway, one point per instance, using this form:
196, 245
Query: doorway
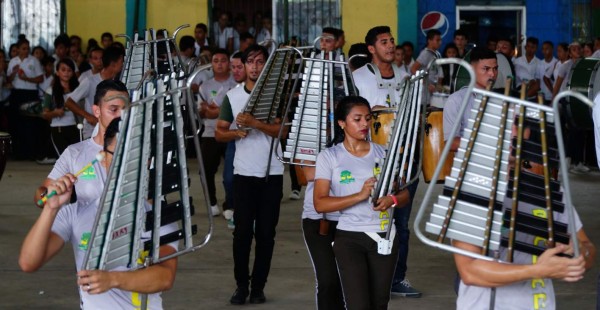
482, 22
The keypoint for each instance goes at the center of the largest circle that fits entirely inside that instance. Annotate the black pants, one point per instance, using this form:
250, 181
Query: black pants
26, 131
63, 136
366, 275
256, 213
212, 151
320, 249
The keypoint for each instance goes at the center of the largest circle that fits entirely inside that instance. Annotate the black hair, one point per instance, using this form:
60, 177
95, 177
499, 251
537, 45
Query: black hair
533, 40
372, 34
506, 39
62, 39
564, 46
479, 53
359, 48
58, 91
111, 54
245, 36
47, 60
186, 42
202, 26
107, 35
342, 110
22, 41
111, 132
221, 51
39, 47
95, 49
106, 86
254, 49
236, 55
333, 31
549, 43
432, 33
91, 44
409, 44
119, 45
461, 32
449, 46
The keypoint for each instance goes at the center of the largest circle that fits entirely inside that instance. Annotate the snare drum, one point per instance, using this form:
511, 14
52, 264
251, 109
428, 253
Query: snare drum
4, 150
381, 126
438, 100
433, 146
584, 79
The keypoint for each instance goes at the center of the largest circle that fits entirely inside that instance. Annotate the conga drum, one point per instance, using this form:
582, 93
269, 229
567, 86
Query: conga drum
438, 100
4, 150
583, 78
433, 145
381, 125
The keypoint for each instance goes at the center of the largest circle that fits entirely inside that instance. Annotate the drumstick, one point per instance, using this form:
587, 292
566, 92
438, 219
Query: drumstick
98, 158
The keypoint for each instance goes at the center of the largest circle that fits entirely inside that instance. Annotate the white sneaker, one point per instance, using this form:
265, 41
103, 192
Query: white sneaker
215, 210
579, 169
228, 214
295, 195
46, 161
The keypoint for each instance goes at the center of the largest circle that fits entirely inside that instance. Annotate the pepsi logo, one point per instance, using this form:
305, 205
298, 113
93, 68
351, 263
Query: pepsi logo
435, 20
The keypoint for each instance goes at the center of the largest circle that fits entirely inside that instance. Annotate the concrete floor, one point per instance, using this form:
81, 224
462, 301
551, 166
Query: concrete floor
205, 278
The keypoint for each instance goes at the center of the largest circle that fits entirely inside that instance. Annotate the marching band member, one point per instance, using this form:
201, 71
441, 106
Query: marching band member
344, 179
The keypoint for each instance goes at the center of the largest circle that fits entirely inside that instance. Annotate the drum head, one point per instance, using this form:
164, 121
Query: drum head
4, 134
583, 78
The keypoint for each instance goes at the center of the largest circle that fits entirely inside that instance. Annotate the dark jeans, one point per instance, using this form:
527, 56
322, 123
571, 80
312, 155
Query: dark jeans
320, 249
401, 218
228, 175
63, 137
257, 204
26, 131
212, 151
365, 274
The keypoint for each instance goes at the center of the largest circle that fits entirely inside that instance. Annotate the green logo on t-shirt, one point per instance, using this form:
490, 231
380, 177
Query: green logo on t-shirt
84, 241
88, 174
346, 177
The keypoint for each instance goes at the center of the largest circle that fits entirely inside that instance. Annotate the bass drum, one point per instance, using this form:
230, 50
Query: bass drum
584, 79
433, 146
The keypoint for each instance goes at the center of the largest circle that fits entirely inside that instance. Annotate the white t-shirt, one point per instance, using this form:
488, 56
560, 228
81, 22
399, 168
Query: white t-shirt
347, 174
214, 91
87, 90
74, 158
31, 67
308, 209
564, 71
44, 85
86, 74
427, 56
252, 152
366, 83
544, 68
527, 70
68, 118
222, 36
451, 109
524, 295
74, 224
596, 118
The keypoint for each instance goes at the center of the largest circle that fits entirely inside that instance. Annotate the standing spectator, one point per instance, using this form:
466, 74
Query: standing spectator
62, 44
460, 40
95, 63
256, 23
223, 33
527, 68
265, 32
212, 93
106, 39
240, 27
13, 50
201, 43
427, 55
63, 127
75, 41
547, 65
409, 61
450, 70
588, 49
246, 39
24, 71
39, 53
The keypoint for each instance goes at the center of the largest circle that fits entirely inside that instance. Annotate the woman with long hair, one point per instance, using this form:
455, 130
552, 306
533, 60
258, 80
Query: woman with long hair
63, 126
344, 179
